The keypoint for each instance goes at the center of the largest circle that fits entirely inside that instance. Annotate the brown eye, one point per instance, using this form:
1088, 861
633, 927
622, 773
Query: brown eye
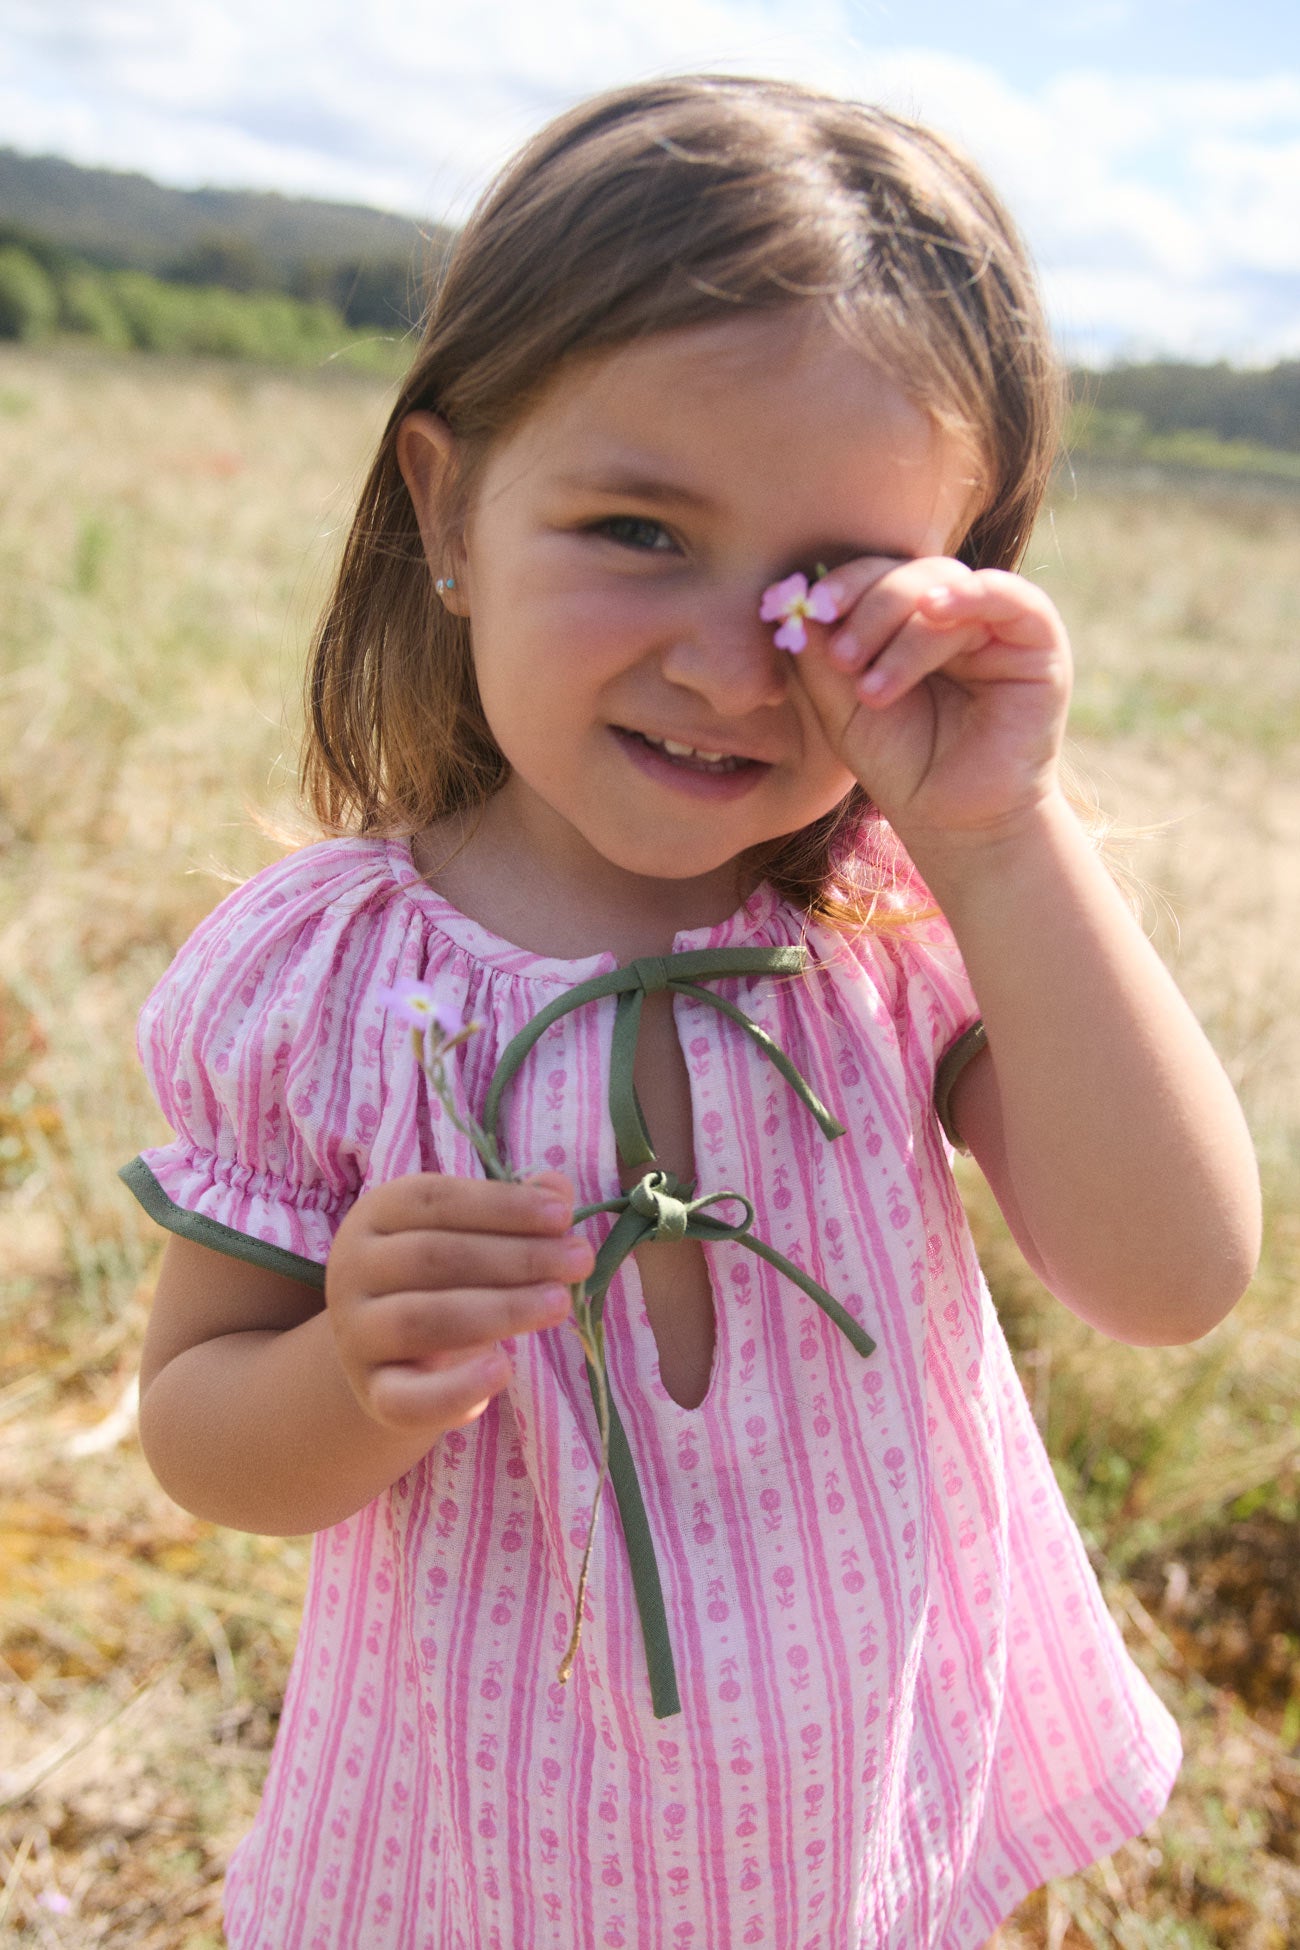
636, 532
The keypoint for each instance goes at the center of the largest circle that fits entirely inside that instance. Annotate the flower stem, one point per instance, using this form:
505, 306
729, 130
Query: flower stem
592, 1336
590, 1331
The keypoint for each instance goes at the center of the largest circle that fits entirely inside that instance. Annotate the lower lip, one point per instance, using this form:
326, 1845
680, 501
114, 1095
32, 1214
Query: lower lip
657, 764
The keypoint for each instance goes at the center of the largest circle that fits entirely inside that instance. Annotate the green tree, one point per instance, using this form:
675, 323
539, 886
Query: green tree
87, 304
29, 303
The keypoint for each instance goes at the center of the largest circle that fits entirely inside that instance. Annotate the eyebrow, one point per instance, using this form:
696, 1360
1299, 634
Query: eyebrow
632, 485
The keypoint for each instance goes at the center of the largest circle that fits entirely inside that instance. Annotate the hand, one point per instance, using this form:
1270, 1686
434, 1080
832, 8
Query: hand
944, 691
428, 1274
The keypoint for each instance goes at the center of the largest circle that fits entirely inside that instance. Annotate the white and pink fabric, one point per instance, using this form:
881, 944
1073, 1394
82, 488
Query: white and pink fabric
904, 1704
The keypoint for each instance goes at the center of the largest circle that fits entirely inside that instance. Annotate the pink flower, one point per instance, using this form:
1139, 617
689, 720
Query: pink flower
417, 1005
794, 603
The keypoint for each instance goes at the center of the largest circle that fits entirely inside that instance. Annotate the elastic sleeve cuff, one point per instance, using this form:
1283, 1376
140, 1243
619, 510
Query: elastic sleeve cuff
951, 1064
204, 1231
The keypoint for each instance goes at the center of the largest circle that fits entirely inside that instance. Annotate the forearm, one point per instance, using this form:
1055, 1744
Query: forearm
261, 1431
1123, 1149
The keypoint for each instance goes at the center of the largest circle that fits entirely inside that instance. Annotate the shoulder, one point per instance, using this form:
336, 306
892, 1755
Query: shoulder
906, 976
338, 896
263, 1042
891, 953
275, 980
296, 892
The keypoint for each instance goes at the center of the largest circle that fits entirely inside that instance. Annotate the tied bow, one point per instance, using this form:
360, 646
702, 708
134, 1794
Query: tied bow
658, 1206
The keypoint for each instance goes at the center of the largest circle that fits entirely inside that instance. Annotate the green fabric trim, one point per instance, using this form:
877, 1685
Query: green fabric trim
665, 1700
196, 1226
776, 1056
953, 1061
645, 976
631, 1138
659, 1207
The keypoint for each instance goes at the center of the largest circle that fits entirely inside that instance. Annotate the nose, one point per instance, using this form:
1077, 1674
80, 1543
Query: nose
725, 655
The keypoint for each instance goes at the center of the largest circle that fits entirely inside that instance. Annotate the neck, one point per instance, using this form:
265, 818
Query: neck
566, 902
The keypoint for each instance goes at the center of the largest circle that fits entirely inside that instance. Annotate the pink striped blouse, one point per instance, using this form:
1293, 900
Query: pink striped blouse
903, 1702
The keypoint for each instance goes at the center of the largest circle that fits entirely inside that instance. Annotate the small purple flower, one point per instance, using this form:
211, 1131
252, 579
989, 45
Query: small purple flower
417, 1005
792, 603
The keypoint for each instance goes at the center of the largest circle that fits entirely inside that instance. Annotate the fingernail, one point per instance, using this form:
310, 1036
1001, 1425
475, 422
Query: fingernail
556, 1301
844, 650
575, 1256
940, 597
874, 681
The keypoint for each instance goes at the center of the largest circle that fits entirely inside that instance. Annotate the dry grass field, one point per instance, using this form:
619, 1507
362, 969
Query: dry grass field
165, 540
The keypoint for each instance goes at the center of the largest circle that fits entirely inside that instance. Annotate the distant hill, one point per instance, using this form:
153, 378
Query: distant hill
369, 264
110, 254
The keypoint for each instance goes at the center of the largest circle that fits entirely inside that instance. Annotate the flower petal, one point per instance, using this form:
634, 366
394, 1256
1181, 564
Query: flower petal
418, 1006
779, 598
821, 605
791, 636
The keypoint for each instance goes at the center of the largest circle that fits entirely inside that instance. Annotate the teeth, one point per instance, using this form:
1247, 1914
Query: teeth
674, 750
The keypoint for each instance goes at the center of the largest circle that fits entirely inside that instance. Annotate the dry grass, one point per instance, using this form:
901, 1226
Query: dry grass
165, 537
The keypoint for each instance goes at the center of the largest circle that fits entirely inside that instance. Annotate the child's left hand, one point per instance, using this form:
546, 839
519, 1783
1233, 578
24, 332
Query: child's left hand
944, 691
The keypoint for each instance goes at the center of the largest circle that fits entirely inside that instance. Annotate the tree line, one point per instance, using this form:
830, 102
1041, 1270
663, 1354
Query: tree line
113, 257
214, 303
1128, 406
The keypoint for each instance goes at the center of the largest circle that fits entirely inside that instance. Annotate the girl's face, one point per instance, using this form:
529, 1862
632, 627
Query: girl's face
612, 565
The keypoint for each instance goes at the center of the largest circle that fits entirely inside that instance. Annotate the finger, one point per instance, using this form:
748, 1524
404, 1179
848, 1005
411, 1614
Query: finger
430, 1201
971, 654
887, 593
1017, 611
403, 1396
433, 1261
423, 1327
916, 652
849, 583
990, 628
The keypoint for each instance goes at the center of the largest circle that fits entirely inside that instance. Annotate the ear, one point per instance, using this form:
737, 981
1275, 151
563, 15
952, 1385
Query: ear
429, 457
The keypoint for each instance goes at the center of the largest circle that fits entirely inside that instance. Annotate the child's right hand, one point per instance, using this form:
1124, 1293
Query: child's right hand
429, 1274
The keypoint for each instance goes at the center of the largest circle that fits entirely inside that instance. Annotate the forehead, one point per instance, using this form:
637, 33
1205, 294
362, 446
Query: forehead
764, 405
795, 354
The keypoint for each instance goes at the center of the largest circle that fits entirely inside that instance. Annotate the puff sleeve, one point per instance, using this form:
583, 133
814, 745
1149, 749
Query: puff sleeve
265, 1060
935, 1013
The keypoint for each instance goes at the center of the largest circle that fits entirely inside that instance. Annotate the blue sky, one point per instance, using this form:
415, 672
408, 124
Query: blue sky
1150, 148
1030, 43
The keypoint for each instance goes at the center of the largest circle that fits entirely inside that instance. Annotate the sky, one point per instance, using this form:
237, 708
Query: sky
1150, 149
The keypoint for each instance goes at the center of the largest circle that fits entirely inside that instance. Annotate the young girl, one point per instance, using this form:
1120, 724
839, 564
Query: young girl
710, 347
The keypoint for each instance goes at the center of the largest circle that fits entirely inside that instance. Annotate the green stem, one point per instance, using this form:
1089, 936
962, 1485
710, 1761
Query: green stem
478, 1137
590, 1332
592, 1338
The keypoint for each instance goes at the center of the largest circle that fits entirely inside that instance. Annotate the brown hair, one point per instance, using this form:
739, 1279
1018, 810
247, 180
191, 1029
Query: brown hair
669, 204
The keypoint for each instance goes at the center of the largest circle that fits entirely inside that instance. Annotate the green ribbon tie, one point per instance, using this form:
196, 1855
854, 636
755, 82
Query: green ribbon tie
659, 1207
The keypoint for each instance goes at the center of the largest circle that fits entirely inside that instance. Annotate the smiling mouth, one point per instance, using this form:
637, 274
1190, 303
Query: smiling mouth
690, 757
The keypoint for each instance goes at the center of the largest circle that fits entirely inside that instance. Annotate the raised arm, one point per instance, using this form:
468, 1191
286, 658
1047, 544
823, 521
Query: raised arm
1100, 1115
269, 1408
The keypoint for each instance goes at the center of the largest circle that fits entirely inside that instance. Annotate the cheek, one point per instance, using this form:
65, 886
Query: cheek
592, 632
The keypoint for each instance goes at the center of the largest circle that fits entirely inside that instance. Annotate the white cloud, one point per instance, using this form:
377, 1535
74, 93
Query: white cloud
1163, 214
1101, 313
1156, 206
1251, 195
